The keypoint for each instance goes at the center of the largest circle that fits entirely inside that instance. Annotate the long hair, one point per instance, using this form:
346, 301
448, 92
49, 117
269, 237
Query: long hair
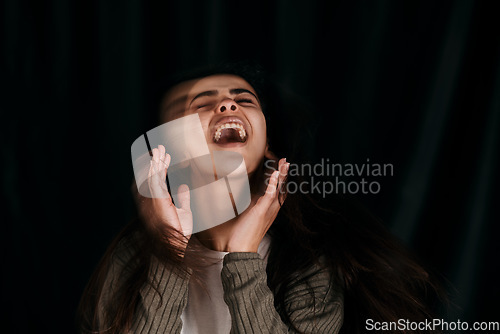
381, 280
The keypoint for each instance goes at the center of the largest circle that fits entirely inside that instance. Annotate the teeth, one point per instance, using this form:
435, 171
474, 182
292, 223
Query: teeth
238, 126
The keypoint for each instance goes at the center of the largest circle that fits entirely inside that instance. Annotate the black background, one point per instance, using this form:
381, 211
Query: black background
414, 84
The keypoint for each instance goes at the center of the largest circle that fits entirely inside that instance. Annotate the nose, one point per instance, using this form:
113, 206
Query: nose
227, 105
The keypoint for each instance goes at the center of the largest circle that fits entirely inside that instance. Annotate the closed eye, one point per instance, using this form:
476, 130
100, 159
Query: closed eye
240, 101
204, 104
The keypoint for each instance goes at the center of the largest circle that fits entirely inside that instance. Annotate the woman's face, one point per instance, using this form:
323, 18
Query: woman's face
230, 114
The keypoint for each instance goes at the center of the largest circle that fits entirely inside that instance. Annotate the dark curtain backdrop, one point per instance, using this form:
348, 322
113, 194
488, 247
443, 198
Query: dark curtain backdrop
413, 84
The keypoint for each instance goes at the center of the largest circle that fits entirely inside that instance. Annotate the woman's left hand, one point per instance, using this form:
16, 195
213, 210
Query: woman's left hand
252, 225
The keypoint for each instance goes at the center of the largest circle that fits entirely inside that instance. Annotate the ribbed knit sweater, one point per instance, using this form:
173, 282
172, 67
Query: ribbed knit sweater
315, 305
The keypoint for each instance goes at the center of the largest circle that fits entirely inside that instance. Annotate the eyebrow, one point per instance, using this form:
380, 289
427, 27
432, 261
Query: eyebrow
234, 91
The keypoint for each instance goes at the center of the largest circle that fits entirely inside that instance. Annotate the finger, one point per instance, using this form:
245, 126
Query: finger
164, 158
283, 169
285, 166
270, 194
184, 197
162, 174
161, 150
281, 162
166, 161
157, 180
156, 154
161, 158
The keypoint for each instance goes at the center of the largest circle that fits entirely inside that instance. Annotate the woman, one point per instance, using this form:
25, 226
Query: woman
287, 264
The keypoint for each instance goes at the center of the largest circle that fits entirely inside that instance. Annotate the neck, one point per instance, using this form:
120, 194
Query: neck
218, 237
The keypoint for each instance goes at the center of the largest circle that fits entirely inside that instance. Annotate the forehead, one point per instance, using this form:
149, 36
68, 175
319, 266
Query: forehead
219, 82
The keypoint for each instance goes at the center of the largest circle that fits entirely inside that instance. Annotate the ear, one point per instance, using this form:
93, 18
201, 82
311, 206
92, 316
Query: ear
270, 154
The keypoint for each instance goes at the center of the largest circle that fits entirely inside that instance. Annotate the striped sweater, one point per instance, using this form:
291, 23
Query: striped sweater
314, 306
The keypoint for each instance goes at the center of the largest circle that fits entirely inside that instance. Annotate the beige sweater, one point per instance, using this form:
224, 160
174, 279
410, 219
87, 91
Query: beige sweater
314, 307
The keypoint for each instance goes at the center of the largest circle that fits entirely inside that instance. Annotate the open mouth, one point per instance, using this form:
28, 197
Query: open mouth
229, 130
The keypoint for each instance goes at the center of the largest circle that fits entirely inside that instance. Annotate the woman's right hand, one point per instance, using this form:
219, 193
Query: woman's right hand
160, 209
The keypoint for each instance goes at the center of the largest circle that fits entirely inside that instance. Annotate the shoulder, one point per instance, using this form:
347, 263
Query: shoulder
317, 284
123, 254
315, 301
